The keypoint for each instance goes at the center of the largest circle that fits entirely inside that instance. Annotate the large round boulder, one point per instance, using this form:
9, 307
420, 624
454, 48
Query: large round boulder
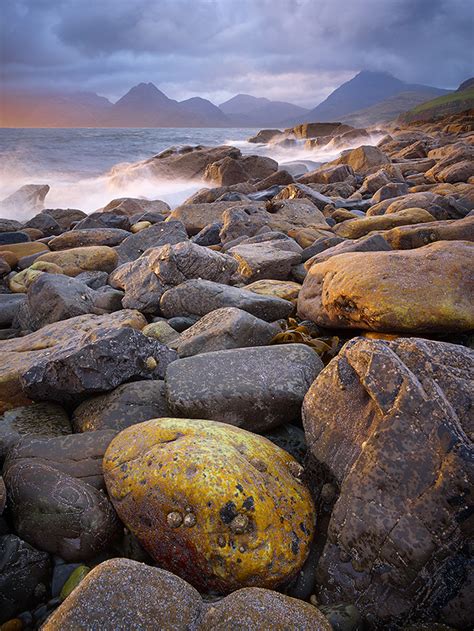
220, 506
429, 289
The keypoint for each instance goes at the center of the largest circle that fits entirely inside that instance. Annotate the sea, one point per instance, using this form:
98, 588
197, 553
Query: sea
87, 168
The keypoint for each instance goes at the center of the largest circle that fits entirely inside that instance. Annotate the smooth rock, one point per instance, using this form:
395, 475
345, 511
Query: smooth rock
9, 306
58, 513
84, 259
227, 502
199, 297
164, 233
88, 237
256, 388
428, 289
356, 228
127, 405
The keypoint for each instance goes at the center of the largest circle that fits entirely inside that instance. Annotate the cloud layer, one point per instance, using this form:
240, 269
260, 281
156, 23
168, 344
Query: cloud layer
295, 50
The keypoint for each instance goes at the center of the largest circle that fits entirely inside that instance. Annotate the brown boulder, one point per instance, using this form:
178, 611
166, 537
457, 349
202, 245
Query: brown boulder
363, 159
328, 175
418, 235
389, 423
314, 130
84, 259
355, 228
428, 289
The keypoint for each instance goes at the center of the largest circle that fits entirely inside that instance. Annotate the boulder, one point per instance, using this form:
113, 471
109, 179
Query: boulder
429, 289
23, 249
388, 421
457, 172
264, 136
84, 259
123, 593
131, 206
363, 160
40, 419
198, 297
356, 228
315, 130
149, 277
438, 206
224, 329
165, 233
54, 297
217, 494
26, 201
76, 455
258, 261
288, 290
256, 388
18, 355
59, 514
94, 363
127, 405
328, 175
88, 237
13, 237
104, 220
24, 578
9, 225
418, 235
46, 224
230, 171
371, 243
65, 216
9, 306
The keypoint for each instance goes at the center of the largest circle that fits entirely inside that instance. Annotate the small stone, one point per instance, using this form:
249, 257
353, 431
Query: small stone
189, 520
239, 524
73, 581
174, 519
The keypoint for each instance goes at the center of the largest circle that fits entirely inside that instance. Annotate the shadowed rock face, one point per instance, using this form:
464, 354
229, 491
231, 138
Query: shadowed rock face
390, 423
125, 594
58, 513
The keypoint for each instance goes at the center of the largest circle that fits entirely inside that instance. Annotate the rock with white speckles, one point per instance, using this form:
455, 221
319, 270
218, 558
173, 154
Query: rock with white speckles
256, 388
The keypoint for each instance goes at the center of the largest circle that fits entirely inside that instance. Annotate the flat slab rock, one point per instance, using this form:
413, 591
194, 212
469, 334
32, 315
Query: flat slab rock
199, 297
124, 594
162, 233
390, 423
18, 355
96, 363
255, 388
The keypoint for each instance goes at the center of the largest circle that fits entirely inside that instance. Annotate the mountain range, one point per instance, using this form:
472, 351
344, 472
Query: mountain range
366, 97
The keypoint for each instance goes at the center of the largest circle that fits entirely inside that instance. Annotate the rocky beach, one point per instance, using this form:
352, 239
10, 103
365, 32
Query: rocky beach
251, 410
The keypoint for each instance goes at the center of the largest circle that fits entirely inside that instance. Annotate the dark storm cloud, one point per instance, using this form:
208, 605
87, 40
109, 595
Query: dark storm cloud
289, 49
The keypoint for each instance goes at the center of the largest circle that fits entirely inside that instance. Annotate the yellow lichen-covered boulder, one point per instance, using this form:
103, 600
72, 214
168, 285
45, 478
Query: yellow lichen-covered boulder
84, 259
286, 289
20, 282
221, 507
356, 228
428, 289
24, 249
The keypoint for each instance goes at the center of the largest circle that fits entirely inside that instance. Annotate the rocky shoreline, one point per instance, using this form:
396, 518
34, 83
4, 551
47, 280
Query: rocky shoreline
252, 411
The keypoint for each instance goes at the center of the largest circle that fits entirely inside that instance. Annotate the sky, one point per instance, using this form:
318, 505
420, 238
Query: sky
292, 50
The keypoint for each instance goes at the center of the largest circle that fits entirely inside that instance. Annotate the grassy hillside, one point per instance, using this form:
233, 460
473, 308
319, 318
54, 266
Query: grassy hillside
441, 106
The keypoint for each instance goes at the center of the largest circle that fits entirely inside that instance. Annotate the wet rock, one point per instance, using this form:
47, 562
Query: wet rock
217, 493
389, 421
315, 130
84, 259
369, 243
199, 297
24, 576
104, 220
224, 329
165, 233
265, 135
58, 513
146, 279
418, 235
343, 617
25, 201
128, 404
256, 388
363, 290
362, 160
77, 455
9, 306
20, 354
98, 362
327, 175
78, 575
89, 237
44, 419
229, 170
131, 206
209, 235
182, 323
